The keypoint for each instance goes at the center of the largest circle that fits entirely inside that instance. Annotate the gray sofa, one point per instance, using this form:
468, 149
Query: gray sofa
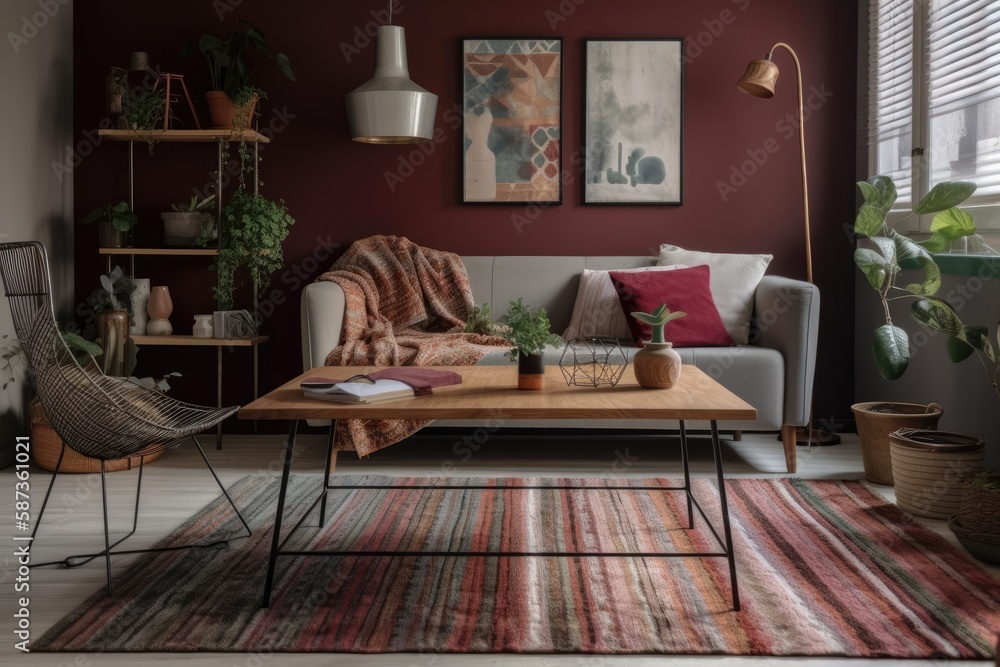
774, 373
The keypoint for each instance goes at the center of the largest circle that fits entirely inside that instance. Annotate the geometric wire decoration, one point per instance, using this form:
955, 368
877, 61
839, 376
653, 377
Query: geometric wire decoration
593, 361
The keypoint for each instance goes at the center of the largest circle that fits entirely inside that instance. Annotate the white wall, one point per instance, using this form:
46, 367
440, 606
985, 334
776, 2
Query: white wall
963, 389
36, 68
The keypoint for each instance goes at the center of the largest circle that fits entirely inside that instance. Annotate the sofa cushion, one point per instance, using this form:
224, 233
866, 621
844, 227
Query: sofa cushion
685, 290
598, 310
734, 280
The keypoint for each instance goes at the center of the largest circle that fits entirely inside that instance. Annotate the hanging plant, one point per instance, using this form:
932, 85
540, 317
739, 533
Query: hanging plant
252, 231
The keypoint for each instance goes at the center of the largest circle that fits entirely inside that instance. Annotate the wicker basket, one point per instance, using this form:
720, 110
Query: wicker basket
46, 446
877, 420
929, 467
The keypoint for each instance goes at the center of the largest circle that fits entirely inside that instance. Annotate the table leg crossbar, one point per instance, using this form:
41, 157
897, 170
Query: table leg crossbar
724, 541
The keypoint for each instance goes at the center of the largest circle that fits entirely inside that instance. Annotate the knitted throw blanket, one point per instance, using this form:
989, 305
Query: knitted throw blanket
406, 306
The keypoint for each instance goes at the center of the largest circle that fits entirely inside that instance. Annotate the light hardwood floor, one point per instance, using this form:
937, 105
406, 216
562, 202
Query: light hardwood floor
177, 485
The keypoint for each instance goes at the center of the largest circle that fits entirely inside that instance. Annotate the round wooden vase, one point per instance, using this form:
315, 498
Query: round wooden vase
530, 372
159, 308
657, 365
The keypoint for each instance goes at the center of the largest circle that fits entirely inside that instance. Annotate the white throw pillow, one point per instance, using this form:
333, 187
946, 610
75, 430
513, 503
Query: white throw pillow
598, 310
733, 280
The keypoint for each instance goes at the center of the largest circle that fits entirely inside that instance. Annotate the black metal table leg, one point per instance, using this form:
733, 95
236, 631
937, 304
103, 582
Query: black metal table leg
289, 446
326, 474
687, 473
717, 454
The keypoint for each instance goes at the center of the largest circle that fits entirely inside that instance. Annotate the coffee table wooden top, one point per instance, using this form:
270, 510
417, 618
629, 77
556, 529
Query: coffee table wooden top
490, 392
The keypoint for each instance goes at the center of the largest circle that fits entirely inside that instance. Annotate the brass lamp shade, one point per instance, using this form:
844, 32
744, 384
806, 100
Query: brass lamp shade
760, 79
390, 108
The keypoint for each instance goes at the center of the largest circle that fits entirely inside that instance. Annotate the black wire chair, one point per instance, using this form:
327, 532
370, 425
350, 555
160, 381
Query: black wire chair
98, 416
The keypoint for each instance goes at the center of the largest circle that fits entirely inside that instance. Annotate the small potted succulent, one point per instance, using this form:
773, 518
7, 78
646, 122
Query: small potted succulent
114, 222
187, 221
528, 333
657, 365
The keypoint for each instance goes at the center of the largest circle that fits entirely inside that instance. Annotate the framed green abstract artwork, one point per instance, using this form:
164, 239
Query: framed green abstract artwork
512, 118
633, 121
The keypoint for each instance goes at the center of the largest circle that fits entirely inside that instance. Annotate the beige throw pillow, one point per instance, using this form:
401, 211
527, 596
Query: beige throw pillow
598, 310
734, 279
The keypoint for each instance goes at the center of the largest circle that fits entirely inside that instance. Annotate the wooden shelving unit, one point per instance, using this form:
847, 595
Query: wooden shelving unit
191, 341
188, 136
166, 252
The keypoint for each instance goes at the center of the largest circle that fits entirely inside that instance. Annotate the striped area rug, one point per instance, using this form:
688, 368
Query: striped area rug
826, 568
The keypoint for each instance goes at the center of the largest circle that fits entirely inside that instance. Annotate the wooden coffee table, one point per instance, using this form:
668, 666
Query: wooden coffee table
489, 392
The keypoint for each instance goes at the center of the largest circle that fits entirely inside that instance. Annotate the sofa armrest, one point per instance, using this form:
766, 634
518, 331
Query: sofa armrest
786, 319
323, 306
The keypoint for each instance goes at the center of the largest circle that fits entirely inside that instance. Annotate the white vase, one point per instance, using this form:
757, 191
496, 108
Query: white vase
140, 297
203, 327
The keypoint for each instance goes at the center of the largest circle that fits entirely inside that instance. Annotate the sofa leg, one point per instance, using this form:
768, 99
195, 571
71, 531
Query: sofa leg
790, 442
737, 436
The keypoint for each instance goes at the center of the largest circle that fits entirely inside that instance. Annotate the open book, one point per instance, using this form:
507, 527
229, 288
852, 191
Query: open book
358, 392
383, 385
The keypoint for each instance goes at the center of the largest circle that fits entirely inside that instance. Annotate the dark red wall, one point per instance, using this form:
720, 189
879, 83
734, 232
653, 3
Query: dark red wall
337, 190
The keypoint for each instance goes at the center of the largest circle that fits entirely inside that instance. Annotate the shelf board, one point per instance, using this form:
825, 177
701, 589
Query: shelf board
191, 136
160, 251
191, 341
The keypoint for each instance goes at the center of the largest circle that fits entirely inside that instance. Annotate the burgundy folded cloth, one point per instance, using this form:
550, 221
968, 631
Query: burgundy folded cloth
421, 379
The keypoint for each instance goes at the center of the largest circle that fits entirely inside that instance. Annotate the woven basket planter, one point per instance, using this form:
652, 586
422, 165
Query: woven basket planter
46, 446
929, 468
977, 524
877, 420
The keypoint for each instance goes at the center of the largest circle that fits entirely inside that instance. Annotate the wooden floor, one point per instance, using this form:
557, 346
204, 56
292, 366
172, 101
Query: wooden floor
178, 484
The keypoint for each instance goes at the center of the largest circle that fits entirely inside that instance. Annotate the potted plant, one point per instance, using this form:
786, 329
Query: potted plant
232, 98
657, 365
187, 222
112, 305
114, 222
879, 253
251, 235
528, 333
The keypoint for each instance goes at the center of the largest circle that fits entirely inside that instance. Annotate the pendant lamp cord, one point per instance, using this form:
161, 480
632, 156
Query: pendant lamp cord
390, 12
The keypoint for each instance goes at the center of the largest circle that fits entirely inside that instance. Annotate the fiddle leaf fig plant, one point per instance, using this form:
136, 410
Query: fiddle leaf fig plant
881, 249
657, 319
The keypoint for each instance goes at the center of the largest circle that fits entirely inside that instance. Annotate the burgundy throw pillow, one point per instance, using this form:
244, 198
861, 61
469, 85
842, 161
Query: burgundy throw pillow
687, 290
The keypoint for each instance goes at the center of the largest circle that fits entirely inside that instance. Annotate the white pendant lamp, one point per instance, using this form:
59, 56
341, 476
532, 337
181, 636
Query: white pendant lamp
390, 108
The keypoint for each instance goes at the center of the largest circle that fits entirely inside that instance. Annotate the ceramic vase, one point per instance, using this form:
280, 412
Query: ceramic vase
530, 371
140, 297
203, 327
159, 308
112, 332
657, 365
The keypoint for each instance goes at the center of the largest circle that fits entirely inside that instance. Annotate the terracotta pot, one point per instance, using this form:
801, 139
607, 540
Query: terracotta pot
223, 112
876, 420
530, 372
657, 365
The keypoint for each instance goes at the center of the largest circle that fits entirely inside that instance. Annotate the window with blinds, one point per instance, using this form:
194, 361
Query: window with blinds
934, 93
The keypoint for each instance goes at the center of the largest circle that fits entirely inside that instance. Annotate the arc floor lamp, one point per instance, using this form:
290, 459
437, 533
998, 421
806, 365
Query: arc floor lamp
759, 80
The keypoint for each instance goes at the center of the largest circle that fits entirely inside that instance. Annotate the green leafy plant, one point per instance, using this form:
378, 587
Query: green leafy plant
227, 64
481, 322
527, 332
196, 205
252, 232
115, 292
15, 362
119, 215
657, 319
880, 251
145, 108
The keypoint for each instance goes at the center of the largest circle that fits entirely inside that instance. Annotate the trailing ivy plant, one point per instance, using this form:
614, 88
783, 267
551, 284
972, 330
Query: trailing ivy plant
880, 251
252, 231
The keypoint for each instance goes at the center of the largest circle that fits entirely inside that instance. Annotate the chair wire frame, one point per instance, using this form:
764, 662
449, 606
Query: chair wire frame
98, 416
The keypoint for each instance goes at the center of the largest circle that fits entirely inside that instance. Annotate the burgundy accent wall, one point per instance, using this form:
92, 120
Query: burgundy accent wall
742, 189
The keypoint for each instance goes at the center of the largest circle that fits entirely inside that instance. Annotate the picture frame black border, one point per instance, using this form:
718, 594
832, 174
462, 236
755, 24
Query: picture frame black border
562, 117
583, 121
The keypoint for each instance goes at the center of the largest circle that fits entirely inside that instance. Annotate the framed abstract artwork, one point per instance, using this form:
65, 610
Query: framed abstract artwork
512, 119
633, 121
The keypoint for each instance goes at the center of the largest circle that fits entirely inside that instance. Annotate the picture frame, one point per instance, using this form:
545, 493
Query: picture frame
633, 121
512, 101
